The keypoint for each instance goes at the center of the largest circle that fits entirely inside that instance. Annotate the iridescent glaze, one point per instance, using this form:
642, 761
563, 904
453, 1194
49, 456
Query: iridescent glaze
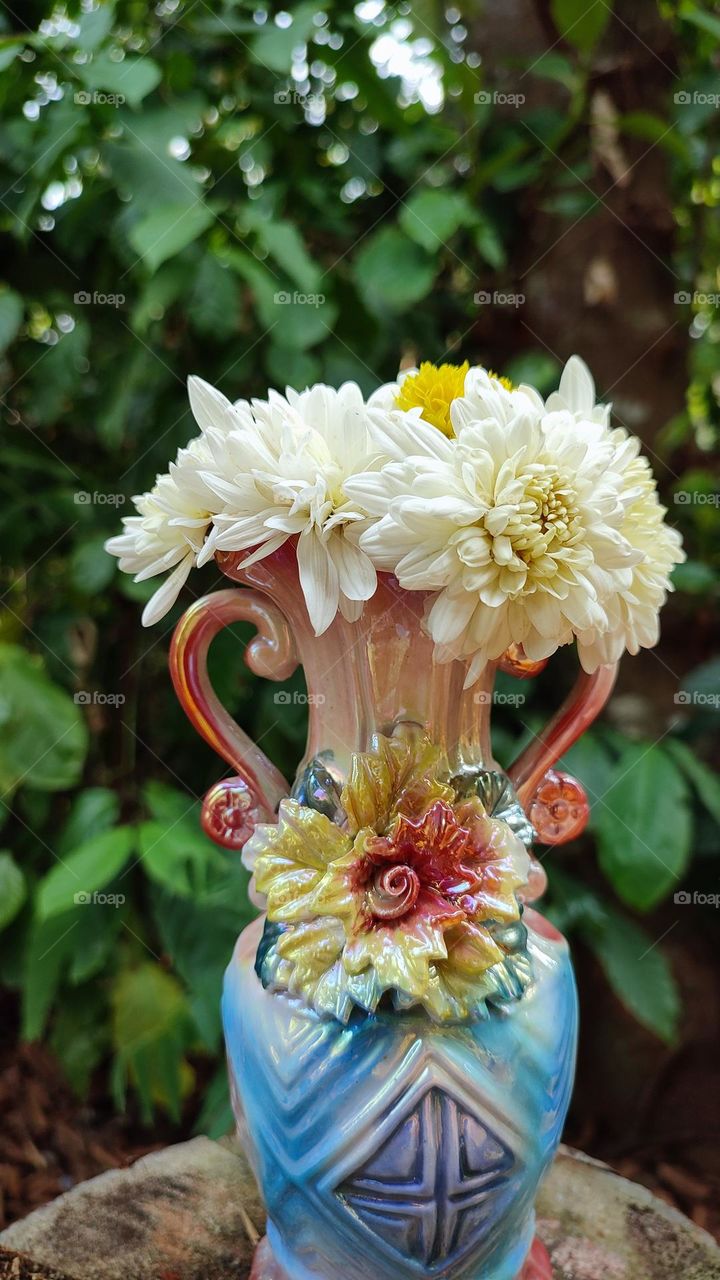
410, 892
393, 1148
401, 1028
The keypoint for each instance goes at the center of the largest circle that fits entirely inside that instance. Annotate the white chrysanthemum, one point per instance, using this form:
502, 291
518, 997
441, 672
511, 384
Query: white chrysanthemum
170, 529
633, 613
527, 525
576, 395
284, 476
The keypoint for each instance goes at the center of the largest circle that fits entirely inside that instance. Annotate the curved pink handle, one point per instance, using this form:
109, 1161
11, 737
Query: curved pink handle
555, 803
234, 806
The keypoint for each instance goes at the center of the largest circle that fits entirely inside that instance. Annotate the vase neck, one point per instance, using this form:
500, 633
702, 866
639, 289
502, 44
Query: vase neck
367, 676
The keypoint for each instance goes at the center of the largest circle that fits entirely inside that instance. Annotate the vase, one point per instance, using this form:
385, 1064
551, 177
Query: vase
396, 1129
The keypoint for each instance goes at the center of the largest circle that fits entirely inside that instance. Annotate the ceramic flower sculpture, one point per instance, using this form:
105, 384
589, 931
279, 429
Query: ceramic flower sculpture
400, 1022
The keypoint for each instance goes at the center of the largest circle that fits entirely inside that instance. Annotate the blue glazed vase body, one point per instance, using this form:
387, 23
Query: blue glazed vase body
393, 1147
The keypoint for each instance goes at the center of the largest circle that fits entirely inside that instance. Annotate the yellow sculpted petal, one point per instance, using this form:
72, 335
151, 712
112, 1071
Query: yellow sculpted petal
336, 894
291, 858
311, 948
470, 950
400, 957
398, 774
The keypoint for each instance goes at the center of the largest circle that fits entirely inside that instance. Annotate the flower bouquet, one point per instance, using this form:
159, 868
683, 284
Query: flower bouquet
401, 1022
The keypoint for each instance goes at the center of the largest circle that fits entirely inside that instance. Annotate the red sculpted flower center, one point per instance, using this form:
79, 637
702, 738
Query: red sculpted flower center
426, 866
393, 891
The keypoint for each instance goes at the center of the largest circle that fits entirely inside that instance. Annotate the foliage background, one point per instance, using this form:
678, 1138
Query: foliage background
505, 183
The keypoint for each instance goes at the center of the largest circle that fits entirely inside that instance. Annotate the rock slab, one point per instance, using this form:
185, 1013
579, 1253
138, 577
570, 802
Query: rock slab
193, 1212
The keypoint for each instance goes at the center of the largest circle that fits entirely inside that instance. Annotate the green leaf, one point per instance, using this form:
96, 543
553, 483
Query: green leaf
93, 811
131, 79
488, 243
96, 25
695, 577
167, 804
709, 22
148, 1012
286, 247
49, 944
147, 1003
216, 1115
58, 375
288, 368
167, 230
273, 47
12, 310
581, 23
95, 942
593, 764
43, 737
392, 271
638, 973
704, 780
296, 321
90, 565
643, 827
9, 50
84, 872
13, 889
214, 309
81, 1036
572, 905
177, 856
200, 938
431, 218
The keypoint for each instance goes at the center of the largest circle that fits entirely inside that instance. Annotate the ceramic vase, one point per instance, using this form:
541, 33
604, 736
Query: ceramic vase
391, 1138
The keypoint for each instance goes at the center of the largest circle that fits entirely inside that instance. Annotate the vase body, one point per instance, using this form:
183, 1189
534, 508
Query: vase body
389, 1143
394, 1148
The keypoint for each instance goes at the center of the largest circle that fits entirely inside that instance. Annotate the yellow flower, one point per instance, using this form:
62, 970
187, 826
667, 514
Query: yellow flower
433, 389
410, 897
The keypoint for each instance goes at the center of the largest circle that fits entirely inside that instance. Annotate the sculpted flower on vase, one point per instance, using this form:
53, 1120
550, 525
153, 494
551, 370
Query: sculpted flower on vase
409, 897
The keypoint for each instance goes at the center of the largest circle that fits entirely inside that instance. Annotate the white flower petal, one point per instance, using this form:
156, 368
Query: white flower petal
319, 581
166, 595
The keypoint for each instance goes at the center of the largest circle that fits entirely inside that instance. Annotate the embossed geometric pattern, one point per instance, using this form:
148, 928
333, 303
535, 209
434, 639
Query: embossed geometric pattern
432, 1189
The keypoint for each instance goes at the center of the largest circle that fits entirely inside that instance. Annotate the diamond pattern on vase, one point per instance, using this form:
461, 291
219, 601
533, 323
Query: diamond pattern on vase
433, 1189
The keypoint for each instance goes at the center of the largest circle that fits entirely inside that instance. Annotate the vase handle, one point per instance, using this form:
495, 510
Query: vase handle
232, 808
555, 803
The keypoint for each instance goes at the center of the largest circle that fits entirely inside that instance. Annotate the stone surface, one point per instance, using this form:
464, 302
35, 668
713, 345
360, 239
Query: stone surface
192, 1212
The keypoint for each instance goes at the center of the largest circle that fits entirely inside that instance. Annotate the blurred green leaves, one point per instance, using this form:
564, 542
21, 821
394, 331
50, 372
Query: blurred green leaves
43, 738
256, 227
